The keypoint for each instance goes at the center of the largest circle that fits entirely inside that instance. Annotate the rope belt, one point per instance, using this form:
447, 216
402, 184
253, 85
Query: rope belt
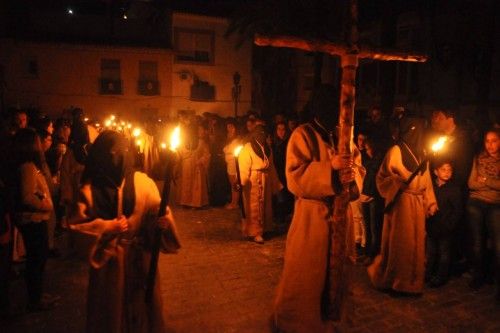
326, 200
414, 192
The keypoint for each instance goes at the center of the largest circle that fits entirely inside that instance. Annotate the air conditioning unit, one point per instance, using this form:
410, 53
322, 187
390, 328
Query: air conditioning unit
148, 87
110, 87
202, 92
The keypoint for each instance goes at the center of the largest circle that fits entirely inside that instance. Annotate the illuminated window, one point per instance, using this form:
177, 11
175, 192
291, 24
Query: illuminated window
194, 46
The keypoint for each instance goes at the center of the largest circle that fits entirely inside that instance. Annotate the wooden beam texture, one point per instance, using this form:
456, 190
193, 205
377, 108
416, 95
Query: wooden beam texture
332, 48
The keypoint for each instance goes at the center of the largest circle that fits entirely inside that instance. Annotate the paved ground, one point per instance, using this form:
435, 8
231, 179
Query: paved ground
221, 283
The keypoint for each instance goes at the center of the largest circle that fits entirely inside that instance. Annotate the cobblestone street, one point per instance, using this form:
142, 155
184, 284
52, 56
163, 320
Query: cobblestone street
221, 283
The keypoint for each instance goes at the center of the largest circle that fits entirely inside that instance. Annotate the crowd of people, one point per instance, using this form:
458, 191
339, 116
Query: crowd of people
46, 163
443, 222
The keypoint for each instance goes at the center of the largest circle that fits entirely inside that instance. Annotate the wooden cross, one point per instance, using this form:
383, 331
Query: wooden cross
349, 54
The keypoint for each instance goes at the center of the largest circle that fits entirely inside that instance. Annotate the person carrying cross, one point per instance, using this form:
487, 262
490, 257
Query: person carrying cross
315, 174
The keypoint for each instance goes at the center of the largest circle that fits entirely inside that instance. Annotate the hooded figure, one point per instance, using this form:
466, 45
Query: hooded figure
108, 164
193, 171
411, 142
400, 266
119, 208
72, 165
78, 141
259, 181
305, 298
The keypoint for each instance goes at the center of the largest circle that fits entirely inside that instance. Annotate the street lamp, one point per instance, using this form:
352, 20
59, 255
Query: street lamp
236, 91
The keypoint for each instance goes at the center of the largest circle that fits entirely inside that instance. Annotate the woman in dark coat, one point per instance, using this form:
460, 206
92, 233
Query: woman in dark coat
32, 209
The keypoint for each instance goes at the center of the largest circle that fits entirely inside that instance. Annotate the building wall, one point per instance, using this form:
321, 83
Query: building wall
227, 61
68, 75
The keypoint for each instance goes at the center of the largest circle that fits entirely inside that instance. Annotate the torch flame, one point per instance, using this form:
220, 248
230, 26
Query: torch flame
136, 132
439, 144
175, 138
237, 150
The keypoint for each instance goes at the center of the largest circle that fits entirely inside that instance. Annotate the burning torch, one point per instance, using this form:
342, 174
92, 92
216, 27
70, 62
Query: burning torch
436, 147
170, 164
236, 153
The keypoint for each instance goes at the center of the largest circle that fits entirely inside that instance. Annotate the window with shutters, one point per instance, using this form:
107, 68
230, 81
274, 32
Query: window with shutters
110, 82
194, 46
148, 84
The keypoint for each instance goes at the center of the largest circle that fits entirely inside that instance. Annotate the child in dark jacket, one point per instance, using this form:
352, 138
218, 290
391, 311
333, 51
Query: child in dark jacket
441, 226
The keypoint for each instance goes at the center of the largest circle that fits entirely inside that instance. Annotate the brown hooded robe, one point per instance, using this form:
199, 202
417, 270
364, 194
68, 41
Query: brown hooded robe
302, 298
400, 266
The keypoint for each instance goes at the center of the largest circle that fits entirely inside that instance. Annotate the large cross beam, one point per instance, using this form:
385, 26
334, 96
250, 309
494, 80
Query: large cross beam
337, 49
349, 54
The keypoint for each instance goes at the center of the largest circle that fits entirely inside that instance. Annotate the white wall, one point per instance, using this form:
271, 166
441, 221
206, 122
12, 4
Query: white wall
227, 61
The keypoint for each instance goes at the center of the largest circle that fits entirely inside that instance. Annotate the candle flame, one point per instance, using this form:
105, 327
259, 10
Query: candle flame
113, 117
175, 138
163, 145
138, 142
237, 150
107, 123
136, 132
439, 144
85, 119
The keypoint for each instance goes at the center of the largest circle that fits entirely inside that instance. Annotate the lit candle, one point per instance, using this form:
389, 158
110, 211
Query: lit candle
236, 153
